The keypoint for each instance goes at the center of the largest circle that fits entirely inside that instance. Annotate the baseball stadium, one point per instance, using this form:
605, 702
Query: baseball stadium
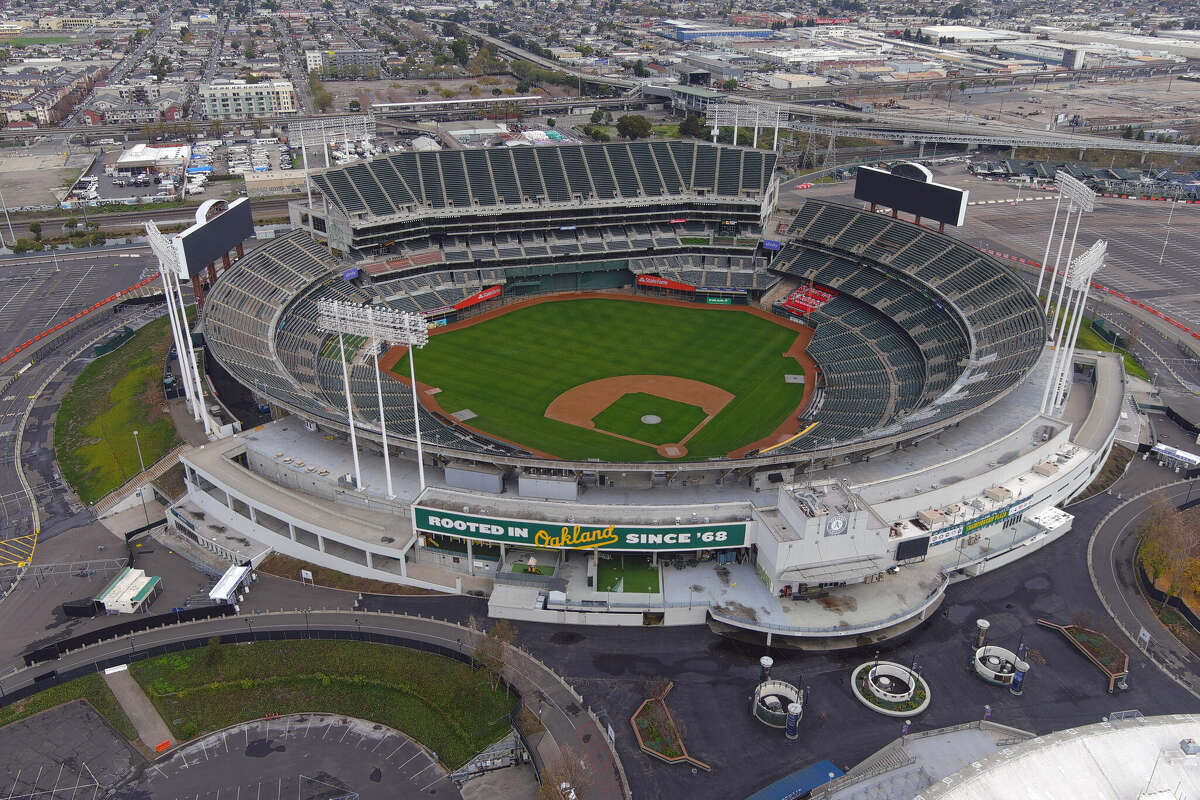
648, 396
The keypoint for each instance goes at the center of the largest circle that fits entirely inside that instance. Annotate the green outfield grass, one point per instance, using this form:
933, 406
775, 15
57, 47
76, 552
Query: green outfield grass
625, 417
113, 396
507, 370
632, 573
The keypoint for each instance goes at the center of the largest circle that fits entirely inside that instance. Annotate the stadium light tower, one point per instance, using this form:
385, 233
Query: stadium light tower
760, 115
1079, 199
377, 325
171, 270
1079, 277
324, 129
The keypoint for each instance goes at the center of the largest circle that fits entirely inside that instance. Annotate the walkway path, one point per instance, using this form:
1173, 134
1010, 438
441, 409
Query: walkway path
141, 712
558, 707
1110, 563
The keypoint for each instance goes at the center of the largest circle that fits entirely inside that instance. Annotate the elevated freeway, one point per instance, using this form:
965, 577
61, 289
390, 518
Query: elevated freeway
987, 134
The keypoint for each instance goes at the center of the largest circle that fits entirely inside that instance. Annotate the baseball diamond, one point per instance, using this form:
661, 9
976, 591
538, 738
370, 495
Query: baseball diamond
572, 378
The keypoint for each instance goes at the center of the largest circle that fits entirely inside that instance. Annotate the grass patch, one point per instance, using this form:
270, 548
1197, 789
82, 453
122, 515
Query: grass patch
287, 567
115, 395
508, 370
90, 688
668, 130
695, 240
32, 41
352, 343
630, 573
444, 704
540, 569
625, 417
1090, 340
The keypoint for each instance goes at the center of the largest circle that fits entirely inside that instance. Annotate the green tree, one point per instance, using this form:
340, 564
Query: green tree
492, 650
640, 70
730, 85
461, 48
551, 122
633, 126
36, 229
692, 125
597, 117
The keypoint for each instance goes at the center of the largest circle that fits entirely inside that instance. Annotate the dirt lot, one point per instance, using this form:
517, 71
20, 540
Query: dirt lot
1140, 101
36, 180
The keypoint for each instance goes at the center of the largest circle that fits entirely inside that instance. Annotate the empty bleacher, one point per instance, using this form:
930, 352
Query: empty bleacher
954, 328
408, 183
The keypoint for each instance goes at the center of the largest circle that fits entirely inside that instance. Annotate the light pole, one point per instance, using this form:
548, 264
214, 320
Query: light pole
7, 219
378, 325
142, 464
1167, 236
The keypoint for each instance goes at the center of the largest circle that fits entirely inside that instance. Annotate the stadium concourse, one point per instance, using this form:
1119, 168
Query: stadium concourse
920, 456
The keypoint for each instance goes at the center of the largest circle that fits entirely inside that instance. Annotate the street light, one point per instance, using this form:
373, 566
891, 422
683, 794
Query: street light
7, 219
142, 464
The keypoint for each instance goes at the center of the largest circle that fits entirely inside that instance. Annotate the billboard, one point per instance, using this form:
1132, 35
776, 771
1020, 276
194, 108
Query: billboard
205, 242
771, 244
663, 283
922, 198
912, 548
587, 536
491, 293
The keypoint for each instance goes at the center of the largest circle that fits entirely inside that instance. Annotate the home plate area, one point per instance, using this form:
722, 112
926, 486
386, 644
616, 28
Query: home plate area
659, 411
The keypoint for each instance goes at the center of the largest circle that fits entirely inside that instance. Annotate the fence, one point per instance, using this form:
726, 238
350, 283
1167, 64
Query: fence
137, 625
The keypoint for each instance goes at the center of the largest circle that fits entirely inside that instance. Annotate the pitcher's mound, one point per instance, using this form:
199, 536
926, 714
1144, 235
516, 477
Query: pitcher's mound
651, 419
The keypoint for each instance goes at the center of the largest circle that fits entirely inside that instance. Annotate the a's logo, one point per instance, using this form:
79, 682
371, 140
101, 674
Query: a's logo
577, 538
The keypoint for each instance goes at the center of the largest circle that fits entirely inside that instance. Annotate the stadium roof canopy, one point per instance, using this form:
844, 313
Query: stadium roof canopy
617, 173
1147, 757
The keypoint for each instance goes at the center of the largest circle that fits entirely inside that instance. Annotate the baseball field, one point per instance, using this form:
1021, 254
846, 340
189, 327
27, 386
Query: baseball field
615, 379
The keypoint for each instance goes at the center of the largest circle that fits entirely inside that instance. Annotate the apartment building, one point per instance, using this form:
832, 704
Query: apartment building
238, 99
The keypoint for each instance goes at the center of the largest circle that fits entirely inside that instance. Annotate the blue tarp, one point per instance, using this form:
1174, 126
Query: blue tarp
799, 784
194, 170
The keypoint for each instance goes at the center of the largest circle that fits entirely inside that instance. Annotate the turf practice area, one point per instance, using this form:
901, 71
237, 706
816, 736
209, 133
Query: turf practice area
627, 573
508, 370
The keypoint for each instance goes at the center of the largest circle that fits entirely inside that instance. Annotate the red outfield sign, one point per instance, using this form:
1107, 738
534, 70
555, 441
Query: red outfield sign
663, 283
490, 293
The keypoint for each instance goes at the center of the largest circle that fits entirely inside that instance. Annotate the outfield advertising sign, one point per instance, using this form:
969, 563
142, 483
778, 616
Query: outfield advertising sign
586, 536
663, 283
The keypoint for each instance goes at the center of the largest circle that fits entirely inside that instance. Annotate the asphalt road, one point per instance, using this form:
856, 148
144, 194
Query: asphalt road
1111, 554
297, 757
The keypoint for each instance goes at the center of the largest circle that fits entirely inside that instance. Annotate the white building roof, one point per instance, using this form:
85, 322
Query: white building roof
149, 155
228, 585
1117, 760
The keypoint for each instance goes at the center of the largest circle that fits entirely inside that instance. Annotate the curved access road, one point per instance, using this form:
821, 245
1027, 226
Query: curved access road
1110, 562
574, 729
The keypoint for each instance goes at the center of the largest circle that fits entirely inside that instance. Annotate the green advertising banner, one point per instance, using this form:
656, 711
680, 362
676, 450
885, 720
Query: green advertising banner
599, 535
719, 301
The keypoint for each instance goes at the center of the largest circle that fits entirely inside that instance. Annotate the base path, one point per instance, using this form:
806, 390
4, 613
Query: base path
580, 404
141, 712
